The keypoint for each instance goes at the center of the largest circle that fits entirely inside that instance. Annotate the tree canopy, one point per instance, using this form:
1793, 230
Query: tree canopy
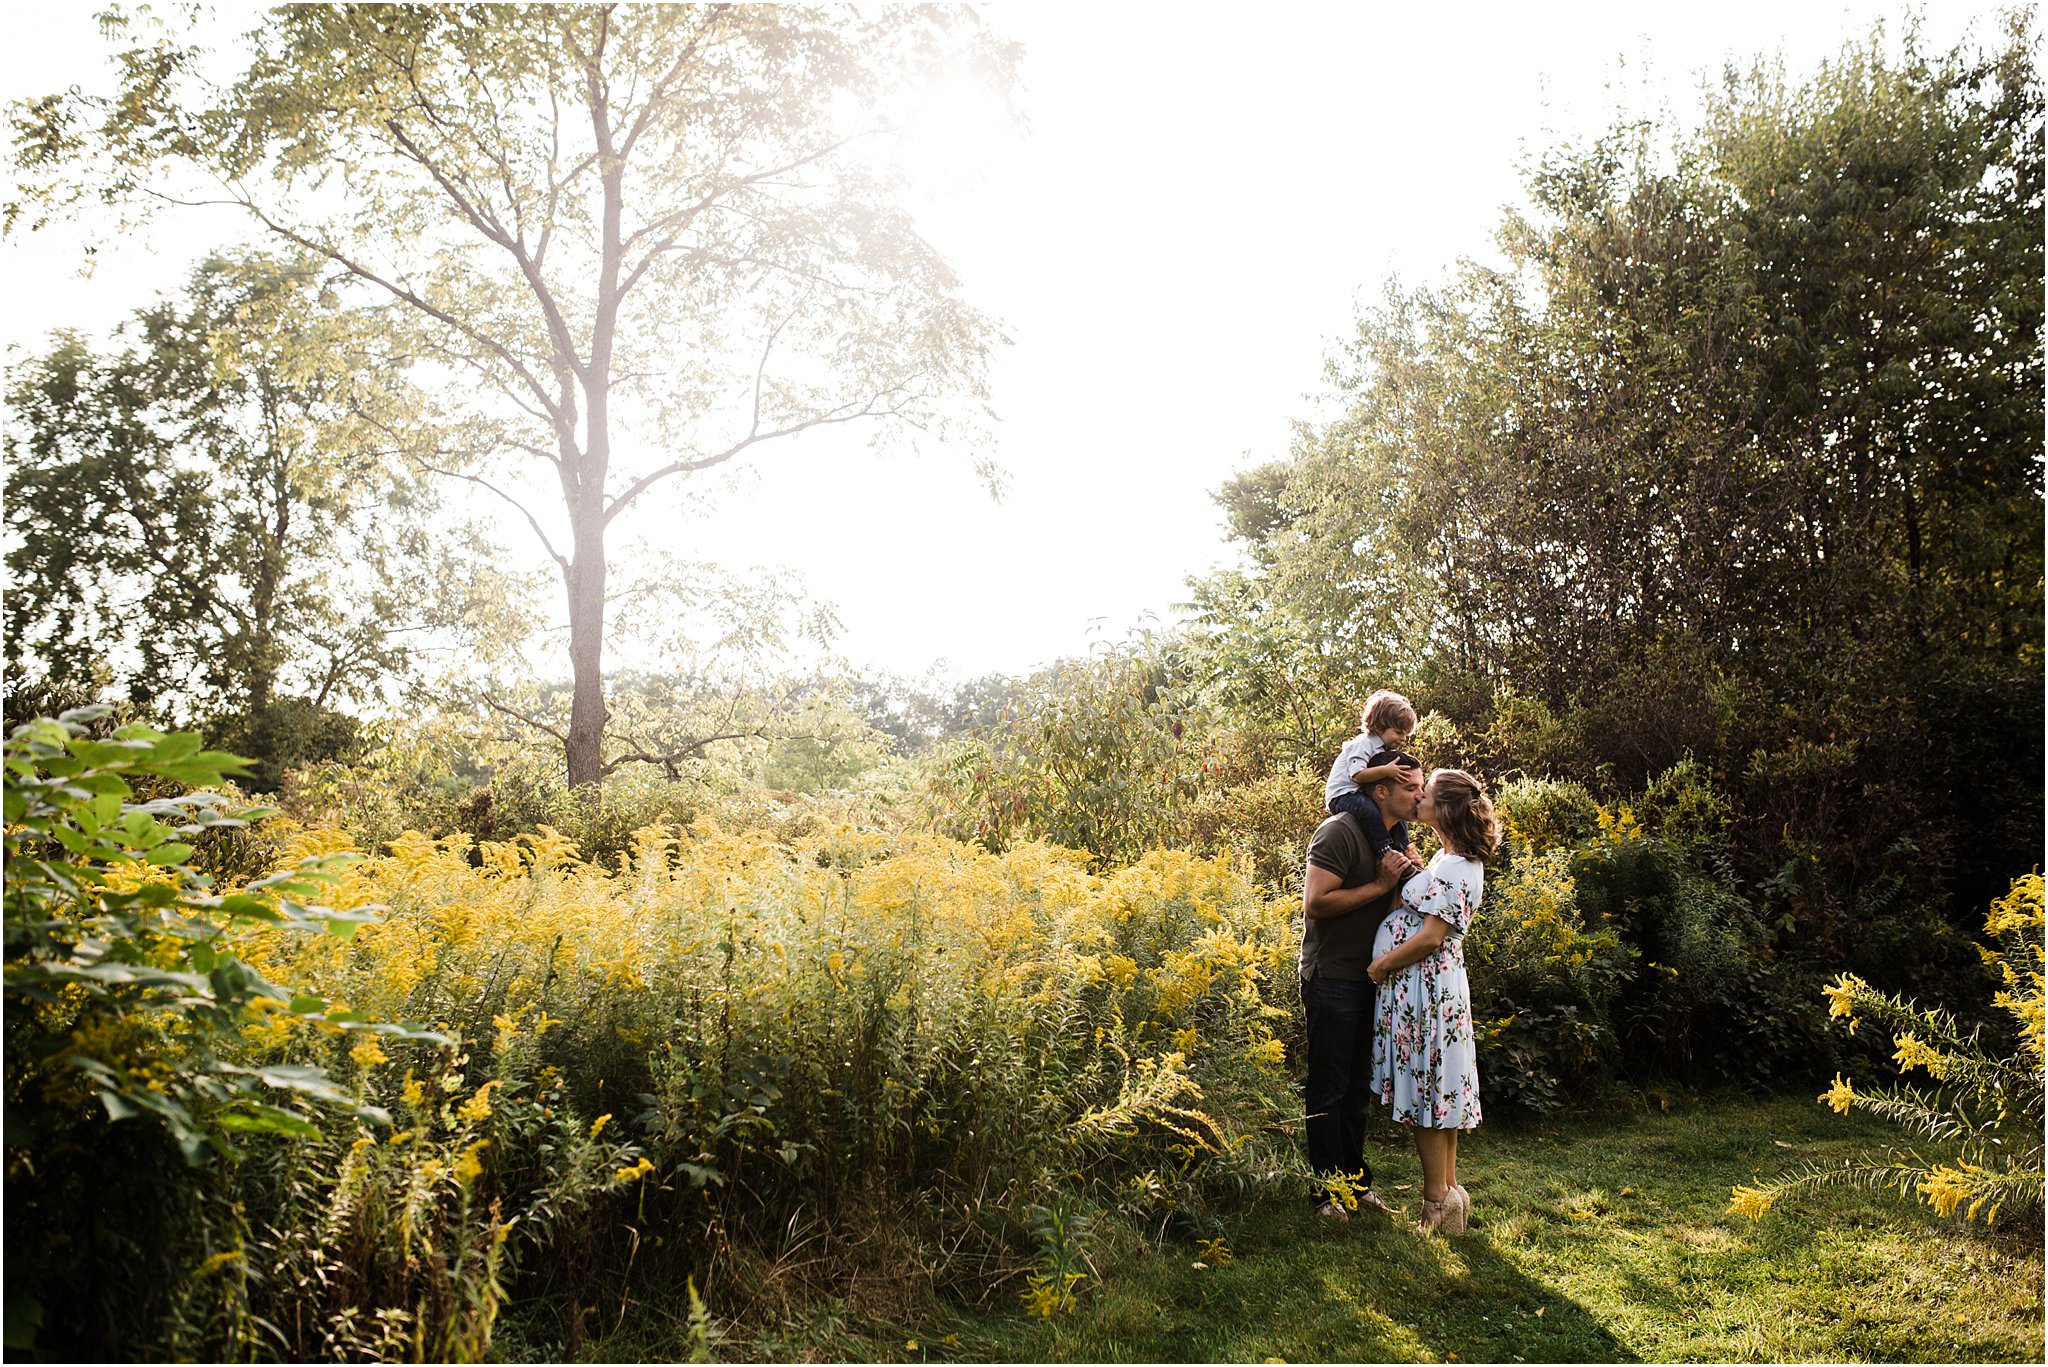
1735, 453
224, 516
641, 240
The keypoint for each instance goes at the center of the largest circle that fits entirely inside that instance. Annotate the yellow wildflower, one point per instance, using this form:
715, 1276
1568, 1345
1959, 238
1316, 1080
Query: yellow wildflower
1946, 1187
1751, 1201
413, 1093
597, 1125
369, 1053
1841, 995
469, 1167
1839, 1096
1268, 1053
478, 1107
634, 1173
1046, 1296
1914, 1054
1343, 1188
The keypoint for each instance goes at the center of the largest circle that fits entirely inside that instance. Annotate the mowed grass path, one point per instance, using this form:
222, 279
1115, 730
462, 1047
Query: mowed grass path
1604, 1239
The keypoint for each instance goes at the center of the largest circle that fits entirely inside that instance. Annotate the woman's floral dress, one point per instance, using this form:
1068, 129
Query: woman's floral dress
1425, 1059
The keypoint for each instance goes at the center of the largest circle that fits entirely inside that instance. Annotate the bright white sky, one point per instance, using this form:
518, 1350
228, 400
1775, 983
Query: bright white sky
1201, 197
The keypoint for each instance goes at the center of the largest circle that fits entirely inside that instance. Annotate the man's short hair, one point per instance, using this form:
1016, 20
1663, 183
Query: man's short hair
1398, 759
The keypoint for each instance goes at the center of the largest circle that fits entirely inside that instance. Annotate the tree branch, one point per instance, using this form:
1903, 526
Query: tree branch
400, 292
560, 561
845, 413
514, 713
668, 759
674, 225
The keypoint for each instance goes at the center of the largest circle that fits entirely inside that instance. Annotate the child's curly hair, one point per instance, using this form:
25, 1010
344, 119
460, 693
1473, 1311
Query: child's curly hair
1387, 708
1465, 819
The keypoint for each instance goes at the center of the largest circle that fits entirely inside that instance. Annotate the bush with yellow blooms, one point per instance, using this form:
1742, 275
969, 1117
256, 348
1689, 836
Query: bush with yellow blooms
1981, 1112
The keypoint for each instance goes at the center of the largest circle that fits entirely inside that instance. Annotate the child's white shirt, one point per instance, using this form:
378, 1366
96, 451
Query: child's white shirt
1357, 754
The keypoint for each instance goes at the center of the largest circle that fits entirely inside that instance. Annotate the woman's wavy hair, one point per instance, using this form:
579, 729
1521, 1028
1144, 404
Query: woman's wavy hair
1465, 816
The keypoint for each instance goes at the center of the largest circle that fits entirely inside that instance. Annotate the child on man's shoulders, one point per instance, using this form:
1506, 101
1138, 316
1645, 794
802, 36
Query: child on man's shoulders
1388, 721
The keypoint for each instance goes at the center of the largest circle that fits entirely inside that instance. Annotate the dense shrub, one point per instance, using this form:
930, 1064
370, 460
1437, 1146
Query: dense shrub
127, 1009
1544, 980
1612, 951
1265, 822
1538, 815
1094, 754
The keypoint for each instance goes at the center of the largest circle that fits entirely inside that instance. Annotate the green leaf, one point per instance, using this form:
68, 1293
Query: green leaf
313, 1082
253, 908
255, 1117
173, 853
306, 1004
177, 746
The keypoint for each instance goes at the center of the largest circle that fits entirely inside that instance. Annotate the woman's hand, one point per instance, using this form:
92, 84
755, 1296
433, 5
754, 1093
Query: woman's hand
1376, 970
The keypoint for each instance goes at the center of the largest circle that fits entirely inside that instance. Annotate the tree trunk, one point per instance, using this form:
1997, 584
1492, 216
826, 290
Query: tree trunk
586, 656
587, 566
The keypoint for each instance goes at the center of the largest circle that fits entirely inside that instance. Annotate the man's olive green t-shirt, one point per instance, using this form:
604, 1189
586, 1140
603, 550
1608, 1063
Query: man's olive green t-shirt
1341, 946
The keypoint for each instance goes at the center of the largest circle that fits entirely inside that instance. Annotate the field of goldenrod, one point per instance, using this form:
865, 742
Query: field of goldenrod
731, 1037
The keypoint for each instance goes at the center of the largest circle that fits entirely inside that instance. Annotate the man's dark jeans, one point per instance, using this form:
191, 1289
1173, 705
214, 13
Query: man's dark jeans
1340, 1019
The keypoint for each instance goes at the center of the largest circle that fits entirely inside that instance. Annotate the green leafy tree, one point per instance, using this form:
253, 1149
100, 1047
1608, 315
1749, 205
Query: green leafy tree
1735, 455
1095, 754
226, 518
648, 239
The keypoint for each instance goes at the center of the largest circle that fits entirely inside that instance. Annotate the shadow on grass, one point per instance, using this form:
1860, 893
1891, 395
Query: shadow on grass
1306, 1290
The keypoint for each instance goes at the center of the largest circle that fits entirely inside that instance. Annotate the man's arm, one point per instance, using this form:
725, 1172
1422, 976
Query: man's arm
1323, 893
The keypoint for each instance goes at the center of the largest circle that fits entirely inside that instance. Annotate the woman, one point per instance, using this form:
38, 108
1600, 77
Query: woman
1425, 1062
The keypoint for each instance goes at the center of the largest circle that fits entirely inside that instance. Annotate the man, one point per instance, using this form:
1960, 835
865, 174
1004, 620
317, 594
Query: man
1345, 895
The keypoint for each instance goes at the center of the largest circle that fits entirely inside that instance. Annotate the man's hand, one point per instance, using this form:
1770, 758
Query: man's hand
1398, 863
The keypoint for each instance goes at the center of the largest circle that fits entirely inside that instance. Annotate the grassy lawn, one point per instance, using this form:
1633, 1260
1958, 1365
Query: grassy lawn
1607, 1240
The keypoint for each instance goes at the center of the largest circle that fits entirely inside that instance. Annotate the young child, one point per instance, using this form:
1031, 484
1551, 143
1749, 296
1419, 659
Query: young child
1389, 720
